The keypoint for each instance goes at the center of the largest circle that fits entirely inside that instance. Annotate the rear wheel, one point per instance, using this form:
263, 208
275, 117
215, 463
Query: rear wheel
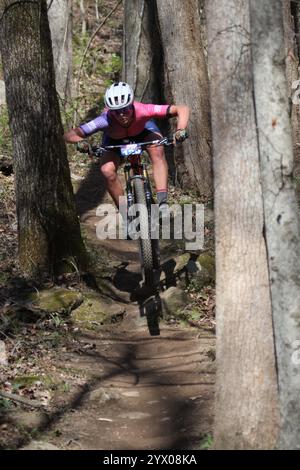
145, 229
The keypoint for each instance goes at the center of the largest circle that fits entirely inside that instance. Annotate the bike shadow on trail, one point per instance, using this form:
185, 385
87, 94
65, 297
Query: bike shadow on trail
151, 304
148, 299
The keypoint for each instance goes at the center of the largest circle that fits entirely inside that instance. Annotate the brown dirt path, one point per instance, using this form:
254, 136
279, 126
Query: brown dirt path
147, 393
142, 392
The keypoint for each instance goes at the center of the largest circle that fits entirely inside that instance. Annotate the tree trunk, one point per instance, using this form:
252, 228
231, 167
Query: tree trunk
142, 50
83, 17
292, 74
280, 205
97, 10
48, 227
143, 63
60, 20
187, 77
2, 93
246, 414
295, 9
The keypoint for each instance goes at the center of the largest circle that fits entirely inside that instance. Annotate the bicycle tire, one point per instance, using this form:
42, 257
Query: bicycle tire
155, 254
145, 243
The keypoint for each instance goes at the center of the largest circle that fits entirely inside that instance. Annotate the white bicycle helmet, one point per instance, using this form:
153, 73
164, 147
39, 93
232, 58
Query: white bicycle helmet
118, 96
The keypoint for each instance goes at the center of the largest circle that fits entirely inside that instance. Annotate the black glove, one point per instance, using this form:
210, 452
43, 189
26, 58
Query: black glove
180, 135
83, 146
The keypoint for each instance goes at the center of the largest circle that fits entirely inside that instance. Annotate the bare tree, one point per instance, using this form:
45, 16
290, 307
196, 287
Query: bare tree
142, 50
48, 226
97, 10
295, 9
60, 20
280, 205
292, 74
83, 17
246, 389
187, 82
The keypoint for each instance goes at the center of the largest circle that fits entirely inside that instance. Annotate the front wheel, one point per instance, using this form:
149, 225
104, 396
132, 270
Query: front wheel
147, 260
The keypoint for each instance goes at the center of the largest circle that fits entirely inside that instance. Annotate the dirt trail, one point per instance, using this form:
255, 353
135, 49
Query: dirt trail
145, 392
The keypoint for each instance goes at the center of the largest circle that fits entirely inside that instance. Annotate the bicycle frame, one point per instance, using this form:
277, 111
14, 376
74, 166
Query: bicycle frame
138, 190
133, 163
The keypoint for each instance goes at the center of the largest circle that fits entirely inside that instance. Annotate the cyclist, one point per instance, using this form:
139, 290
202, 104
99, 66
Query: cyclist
126, 120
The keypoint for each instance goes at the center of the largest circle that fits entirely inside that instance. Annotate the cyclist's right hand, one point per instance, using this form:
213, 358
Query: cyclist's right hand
180, 135
83, 146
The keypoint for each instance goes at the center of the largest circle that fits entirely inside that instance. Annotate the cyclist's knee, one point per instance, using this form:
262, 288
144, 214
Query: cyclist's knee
157, 154
158, 158
109, 171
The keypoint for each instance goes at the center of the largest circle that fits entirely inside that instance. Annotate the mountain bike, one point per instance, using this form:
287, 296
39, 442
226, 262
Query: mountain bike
139, 191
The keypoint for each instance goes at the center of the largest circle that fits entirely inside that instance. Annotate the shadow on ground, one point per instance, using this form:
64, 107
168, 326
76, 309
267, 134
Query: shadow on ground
140, 394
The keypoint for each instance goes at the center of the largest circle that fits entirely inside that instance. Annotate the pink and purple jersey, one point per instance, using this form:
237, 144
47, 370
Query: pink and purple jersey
111, 127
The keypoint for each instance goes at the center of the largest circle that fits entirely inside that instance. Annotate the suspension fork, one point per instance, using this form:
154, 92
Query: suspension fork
129, 192
147, 184
140, 169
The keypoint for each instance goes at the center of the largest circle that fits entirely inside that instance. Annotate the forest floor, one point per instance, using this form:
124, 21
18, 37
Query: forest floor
79, 368
94, 377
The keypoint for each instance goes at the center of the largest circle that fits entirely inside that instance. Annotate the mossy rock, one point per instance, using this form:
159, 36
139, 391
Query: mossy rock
55, 300
207, 263
181, 262
87, 313
173, 301
96, 310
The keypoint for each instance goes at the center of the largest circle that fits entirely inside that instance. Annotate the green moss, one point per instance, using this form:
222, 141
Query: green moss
55, 300
113, 66
85, 314
5, 135
23, 381
50, 382
91, 310
207, 262
96, 310
181, 262
64, 387
194, 314
206, 442
5, 404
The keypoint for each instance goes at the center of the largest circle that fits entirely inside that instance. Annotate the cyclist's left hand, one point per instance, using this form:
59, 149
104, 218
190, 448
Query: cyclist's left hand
83, 146
180, 135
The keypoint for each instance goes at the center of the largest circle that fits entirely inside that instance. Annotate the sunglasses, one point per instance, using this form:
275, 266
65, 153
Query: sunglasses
125, 111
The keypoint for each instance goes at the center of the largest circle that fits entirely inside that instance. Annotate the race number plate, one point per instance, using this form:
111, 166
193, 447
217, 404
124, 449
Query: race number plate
131, 149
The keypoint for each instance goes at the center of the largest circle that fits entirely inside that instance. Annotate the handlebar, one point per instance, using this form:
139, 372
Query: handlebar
164, 141
97, 150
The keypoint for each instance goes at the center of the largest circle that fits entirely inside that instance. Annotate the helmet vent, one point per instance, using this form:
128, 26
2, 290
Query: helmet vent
118, 95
